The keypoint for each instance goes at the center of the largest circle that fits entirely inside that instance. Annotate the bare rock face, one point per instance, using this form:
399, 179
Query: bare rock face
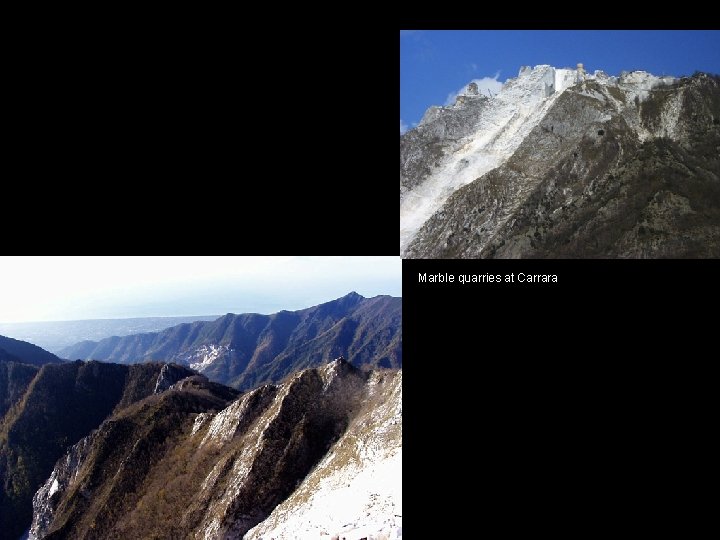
615, 168
63, 475
438, 134
198, 462
169, 375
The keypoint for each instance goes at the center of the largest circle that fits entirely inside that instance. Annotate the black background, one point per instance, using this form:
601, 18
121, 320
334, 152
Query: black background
572, 407
591, 399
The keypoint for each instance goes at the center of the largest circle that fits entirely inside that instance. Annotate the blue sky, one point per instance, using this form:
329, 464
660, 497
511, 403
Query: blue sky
435, 64
74, 288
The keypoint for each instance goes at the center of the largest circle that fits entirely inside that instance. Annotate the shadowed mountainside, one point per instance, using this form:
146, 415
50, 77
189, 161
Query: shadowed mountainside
62, 403
247, 350
27, 353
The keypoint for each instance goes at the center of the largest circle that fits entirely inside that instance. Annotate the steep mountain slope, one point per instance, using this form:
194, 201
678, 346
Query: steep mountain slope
24, 352
18, 369
251, 349
172, 466
615, 167
59, 407
7, 357
471, 137
14, 379
356, 490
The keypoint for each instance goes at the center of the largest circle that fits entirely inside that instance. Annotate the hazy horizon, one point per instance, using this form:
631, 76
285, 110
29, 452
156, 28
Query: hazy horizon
61, 289
181, 316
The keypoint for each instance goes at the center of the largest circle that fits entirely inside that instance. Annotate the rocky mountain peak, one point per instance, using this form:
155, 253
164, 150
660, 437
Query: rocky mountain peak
559, 153
350, 299
171, 374
338, 368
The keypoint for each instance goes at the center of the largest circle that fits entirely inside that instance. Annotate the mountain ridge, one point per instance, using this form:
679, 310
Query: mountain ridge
27, 353
614, 167
61, 404
193, 462
250, 349
17, 369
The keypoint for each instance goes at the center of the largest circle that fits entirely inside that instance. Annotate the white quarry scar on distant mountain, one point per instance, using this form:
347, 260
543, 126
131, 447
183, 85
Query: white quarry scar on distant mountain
204, 356
519, 107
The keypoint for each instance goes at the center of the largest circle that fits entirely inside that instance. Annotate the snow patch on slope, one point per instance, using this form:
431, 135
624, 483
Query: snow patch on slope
519, 107
54, 488
355, 492
366, 505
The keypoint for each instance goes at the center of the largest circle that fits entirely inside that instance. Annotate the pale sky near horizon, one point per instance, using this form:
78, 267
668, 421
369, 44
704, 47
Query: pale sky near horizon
94, 287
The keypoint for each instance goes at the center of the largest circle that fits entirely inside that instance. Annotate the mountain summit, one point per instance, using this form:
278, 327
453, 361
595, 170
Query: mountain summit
564, 163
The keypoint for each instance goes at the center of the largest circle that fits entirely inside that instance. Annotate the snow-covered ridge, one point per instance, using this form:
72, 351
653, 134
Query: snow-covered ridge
502, 126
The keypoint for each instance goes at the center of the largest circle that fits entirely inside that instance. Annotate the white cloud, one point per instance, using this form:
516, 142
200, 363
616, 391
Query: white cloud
486, 83
403, 127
